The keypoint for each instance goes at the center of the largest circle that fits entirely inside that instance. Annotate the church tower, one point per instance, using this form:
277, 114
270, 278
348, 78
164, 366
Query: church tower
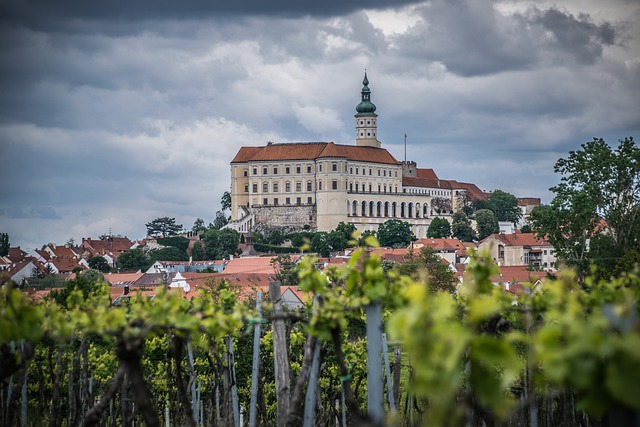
366, 119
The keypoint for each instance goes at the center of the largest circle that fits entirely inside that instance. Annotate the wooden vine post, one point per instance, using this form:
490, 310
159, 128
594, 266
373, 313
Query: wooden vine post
280, 356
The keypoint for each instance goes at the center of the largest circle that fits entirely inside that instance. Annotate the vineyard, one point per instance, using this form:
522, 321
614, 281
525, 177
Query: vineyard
372, 347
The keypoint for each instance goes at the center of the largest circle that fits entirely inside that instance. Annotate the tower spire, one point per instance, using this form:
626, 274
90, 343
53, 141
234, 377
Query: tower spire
366, 118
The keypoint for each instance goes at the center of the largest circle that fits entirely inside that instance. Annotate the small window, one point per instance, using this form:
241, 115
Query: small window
275, 171
287, 170
357, 171
334, 185
298, 186
368, 122
298, 201
378, 172
319, 185
385, 172
265, 187
288, 200
297, 169
334, 167
265, 201
287, 187
255, 188
544, 253
351, 171
370, 171
264, 171
275, 187
308, 168
369, 188
309, 200
245, 172
246, 188
308, 185
275, 201
255, 171
320, 167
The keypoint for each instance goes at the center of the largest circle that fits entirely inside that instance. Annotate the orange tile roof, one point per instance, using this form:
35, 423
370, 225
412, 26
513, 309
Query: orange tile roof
473, 190
122, 278
408, 181
518, 239
441, 244
312, 151
426, 173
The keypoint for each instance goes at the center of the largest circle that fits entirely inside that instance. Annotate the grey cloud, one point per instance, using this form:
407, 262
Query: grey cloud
32, 212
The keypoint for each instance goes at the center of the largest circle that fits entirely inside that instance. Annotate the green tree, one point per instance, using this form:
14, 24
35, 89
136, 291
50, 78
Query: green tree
504, 205
486, 223
178, 242
133, 259
461, 228
598, 195
197, 252
225, 202
286, 271
164, 227
526, 229
427, 262
320, 244
337, 240
4, 244
395, 233
439, 228
198, 226
346, 230
219, 244
441, 205
99, 263
168, 254
220, 220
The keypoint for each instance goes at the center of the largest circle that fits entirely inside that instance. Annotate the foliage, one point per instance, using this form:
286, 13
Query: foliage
197, 252
198, 226
486, 223
99, 263
426, 266
439, 228
225, 201
597, 183
179, 242
526, 229
164, 227
219, 244
504, 205
167, 254
395, 233
4, 244
133, 259
286, 271
461, 228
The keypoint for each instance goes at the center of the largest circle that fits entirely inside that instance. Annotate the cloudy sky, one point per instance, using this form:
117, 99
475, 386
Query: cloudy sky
115, 113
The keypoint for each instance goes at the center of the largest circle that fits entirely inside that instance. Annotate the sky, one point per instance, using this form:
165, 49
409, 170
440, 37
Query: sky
115, 113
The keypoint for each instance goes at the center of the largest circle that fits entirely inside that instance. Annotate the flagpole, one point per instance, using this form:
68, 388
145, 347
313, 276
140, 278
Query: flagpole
405, 148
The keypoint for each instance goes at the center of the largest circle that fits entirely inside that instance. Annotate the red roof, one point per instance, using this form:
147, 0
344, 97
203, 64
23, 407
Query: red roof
449, 245
518, 239
426, 173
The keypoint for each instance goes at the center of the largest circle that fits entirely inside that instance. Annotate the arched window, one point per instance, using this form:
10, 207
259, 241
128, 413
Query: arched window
355, 208
425, 211
364, 208
371, 208
403, 211
379, 209
410, 213
394, 210
386, 209
418, 211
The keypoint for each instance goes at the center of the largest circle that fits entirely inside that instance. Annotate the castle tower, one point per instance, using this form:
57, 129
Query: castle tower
366, 119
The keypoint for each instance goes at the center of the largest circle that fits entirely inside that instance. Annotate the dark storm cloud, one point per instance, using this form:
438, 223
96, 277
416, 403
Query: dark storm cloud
35, 212
472, 38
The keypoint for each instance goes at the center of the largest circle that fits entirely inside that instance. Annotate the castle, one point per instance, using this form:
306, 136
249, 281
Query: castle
317, 185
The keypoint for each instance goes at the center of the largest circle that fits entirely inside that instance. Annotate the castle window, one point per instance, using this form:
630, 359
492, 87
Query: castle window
357, 171
264, 171
361, 122
351, 171
245, 172
298, 186
308, 185
298, 201
255, 188
361, 133
334, 167
246, 188
378, 172
320, 167
369, 188
368, 122
385, 172
351, 186
308, 168
370, 171
287, 170
275, 187
319, 185
287, 187
275, 201
309, 200
265, 187
288, 200
255, 171
368, 133
334, 184
378, 188
275, 171
265, 201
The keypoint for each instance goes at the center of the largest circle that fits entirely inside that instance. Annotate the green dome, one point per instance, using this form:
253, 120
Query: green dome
366, 106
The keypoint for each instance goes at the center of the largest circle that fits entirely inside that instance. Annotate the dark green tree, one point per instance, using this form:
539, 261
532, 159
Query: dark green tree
337, 240
285, 268
219, 244
178, 242
4, 244
197, 252
164, 227
133, 259
168, 254
320, 244
198, 226
346, 230
220, 220
461, 228
486, 223
439, 228
504, 205
99, 263
225, 202
426, 262
395, 233
526, 229
441, 205
598, 196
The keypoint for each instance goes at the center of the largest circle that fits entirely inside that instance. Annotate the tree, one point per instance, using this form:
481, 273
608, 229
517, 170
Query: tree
225, 202
598, 194
320, 244
504, 205
220, 220
133, 259
4, 244
179, 242
168, 254
285, 269
346, 230
164, 227
70, 243
441, 204
486, 223
220, 244
439, 228
427, 261
198, 226
99, 263
197, 252
461, 227
395, 233
526, 229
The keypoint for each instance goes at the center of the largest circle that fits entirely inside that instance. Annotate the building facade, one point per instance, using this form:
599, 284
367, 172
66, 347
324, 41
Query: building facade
317, 185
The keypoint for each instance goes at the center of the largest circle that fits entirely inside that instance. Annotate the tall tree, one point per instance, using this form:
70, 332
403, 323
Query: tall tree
164, 227
426, 261
133, 259
439, 228
486, 223
504, 205
99, 263
4, 244
220, 244
198, 226
441, 205
395, 233
598, 196
220, 220
225, 202
461, 227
